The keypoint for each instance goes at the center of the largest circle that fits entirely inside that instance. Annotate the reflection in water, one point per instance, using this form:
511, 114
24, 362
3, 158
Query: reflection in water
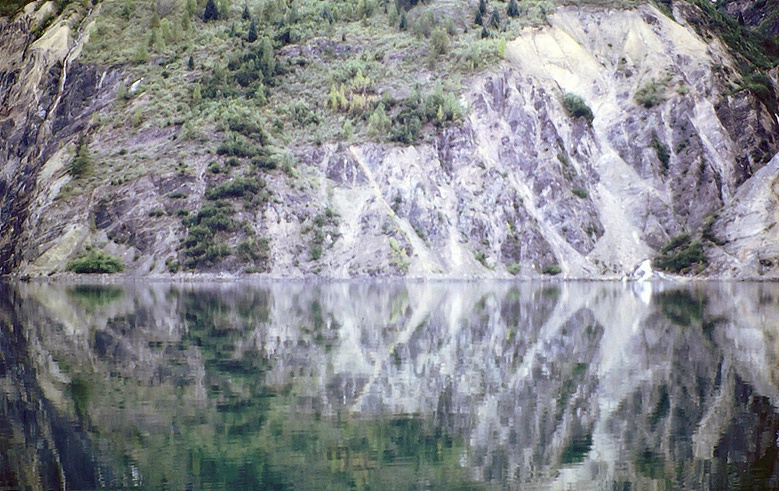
389, 386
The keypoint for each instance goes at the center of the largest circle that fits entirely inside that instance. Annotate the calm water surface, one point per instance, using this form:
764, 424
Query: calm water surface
389, 386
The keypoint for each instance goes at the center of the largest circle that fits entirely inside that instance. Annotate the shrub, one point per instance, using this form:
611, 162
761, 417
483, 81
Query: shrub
247, 188
82, 163
210, 12
552, 270
650, 94
157, 212
576, 107
95, 261
439, 42
236, 145
513, 9
662, 151
579, 193
760, 85
682, 255
378, 122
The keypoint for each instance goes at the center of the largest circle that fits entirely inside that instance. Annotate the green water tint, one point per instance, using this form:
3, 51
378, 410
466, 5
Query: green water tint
389, 386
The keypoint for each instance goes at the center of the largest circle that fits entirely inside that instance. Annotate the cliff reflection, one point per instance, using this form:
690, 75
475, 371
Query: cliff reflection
403, 386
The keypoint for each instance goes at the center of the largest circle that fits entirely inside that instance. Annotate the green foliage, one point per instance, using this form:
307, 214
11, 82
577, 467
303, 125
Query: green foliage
579, 193
379, 123
576, 107
753, 48
682, 255
211, 12
495, 19
95, 261
240, 187
513, 9
650, 94
81, 165
552, 270
439, 42
761, 86
237, 145
251, 36
202, 246
662, 151
10, 7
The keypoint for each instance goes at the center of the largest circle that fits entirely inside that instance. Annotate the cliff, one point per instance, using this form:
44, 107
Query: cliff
602, 138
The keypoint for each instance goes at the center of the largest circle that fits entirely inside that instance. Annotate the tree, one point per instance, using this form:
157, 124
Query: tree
513, 9
495, 19
252, 35
482, 7
82, 163
403, 22
191, 63
267, 59
211, 12
478, 18
246, 15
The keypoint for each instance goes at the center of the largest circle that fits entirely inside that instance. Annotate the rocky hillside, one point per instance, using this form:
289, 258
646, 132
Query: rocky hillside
389, 140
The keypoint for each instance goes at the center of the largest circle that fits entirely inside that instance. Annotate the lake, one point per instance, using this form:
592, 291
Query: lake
389, 385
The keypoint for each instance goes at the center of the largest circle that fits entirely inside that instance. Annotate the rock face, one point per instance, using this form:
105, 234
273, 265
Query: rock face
521, 187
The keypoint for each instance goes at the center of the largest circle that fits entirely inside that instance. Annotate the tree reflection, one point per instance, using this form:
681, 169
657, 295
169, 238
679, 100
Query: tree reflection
368, 386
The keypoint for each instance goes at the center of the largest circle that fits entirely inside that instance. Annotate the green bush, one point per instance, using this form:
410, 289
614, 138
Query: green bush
662, 151
439, 42
82, 163
552, 270
579, 193
760, 85
95, 261
682, 255
240, 187
576, 107
650, 94
237, 145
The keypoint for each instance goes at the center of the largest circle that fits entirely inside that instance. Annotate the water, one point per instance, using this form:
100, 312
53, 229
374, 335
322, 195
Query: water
389, 386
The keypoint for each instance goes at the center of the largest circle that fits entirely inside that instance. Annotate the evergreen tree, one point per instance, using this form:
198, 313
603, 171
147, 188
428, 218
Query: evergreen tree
267, 59
191, 63
211, 12
478, 19
246, 15
485, 33
252, 35
513, 9
403, 22
495, 19
482, 7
